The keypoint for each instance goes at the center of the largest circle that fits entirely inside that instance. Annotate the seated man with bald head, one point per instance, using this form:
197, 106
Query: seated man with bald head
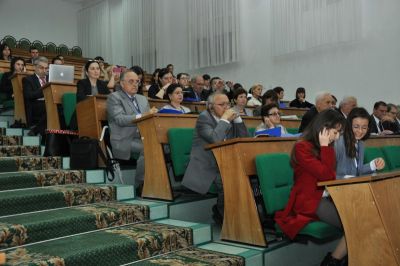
347, 104
218, 123
323, 101
197, 90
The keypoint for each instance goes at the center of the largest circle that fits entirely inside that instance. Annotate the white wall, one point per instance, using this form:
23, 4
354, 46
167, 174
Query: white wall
44, 20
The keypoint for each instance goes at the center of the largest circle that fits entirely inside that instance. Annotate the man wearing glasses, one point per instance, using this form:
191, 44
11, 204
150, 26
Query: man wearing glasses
33, 96
218, 123
123, 106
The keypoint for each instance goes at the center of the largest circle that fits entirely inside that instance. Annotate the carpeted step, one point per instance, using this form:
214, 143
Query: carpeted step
194, 257
9, 151
38, 226
30, 163
36, 199
16, 140
43, 178
113, 246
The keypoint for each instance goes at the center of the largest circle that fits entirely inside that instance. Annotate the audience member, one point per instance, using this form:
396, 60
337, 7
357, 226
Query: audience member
240, 102
123, 106
164, 80
207, 82
33, 97
323, 101
268, 97
17, 65
57, 61
5, 52
256, 91
347, 104
334, 101
183, 80
215, 124
313, 161
271, 118
390, 121
139, 71
280, 92
170, 68
175, 96
61, 57
300, 100
103, 72
34, 54
92, 85
349, 147
379, 112
218, 85
197, 90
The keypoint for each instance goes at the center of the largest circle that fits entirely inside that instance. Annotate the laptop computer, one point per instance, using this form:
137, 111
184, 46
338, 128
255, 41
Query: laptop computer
61, 73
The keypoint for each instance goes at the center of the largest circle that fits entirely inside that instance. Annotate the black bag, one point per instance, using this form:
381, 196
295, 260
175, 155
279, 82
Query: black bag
58, 142
84, 153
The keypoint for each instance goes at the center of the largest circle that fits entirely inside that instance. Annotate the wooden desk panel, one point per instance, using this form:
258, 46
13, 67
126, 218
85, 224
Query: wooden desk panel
53, 93
19, 102
90, 113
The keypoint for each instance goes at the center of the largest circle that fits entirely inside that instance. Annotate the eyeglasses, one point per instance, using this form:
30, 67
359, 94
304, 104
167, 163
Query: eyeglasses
393, 113
223, 104
274, 114
357, 127
133, 81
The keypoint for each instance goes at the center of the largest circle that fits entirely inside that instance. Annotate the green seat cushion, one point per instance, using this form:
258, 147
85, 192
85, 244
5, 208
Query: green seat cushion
180, 141
392, 157
293, 130
317, 229
372, 153
251, 130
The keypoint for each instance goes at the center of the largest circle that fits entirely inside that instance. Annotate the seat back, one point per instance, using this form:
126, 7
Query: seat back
372, 153
276, 180
392, 157
292, 130
251, 130
69, 105
180, 141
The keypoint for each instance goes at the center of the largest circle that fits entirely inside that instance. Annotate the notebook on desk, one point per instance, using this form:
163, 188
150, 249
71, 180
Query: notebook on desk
61, 73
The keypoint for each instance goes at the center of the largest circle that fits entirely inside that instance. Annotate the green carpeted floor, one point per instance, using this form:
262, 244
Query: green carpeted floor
36, 199
29, 228
29, 163
8, 151
114, 246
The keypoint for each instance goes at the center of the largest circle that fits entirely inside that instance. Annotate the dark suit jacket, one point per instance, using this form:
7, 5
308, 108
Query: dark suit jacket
32, 91
202, 168
307, 118
189, 93
6, 86
374, 126
296, 103
84, 88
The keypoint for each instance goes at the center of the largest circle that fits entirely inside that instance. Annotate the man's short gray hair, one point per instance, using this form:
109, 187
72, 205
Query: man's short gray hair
40, 59
347, 99
122, 76
321, 95
211, 99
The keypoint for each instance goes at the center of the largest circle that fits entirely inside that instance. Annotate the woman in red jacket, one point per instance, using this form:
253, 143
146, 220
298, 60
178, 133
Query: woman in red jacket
313, 160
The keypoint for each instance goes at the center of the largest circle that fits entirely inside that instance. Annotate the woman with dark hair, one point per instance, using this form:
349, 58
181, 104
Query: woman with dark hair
271, 118
17, 65
92, 85
349, 147
240, 102
158, 91
300, 101
313, 161
175, 96
5, 52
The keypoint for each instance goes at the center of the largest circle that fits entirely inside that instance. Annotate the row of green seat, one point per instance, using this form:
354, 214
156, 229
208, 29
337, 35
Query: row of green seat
391, 155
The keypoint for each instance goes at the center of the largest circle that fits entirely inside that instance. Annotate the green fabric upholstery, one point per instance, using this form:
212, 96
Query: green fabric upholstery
69, 105
276, 180
180, 141
10, 41
76, 51
392, 157
24, 44
371, 153
38, 45
292, 130
63, 49
51, 47
251, 130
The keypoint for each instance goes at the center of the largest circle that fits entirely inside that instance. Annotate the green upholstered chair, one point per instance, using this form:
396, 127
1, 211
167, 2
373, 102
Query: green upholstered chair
276, 180
69, 105
76, 51
63, 49
251, 131
371, 153
392, 157
180, 141
51, 47
10, 41
38, 45
24, 44
292, 130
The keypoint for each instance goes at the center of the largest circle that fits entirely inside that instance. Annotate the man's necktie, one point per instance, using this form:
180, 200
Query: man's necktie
380, 126
42, 81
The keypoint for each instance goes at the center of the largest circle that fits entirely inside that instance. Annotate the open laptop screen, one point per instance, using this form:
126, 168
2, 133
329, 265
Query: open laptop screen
61, 73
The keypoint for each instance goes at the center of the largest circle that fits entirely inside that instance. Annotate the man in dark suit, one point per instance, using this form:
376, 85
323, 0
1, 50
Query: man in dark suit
347, 104
377, 117
215, 124
197, 90
123, 106
33, 97
323, 101
390, 121
34, 54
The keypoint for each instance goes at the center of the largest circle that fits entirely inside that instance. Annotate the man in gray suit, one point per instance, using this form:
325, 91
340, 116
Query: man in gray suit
123, 106
216, 124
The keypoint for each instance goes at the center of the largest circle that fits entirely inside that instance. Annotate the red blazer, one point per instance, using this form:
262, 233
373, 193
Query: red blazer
306, 195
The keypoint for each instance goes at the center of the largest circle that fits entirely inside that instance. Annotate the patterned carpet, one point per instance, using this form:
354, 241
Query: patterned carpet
8, 151
114, 246
29, 163
10, 140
